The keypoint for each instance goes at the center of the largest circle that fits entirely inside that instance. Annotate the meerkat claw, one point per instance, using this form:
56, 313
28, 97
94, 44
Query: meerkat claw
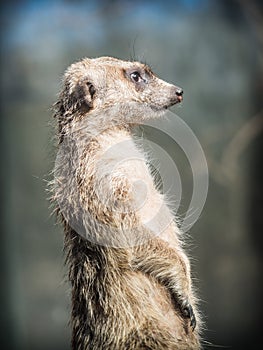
188, 312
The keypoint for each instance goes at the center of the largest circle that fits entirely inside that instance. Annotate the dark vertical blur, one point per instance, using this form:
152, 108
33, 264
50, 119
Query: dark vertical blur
255, 206
213, 49
7, 315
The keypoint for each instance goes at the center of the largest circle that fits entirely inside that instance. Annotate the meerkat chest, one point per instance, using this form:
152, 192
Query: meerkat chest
119, 156
124, 176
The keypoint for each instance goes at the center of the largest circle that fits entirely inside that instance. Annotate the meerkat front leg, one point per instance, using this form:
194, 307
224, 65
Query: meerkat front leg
169, 267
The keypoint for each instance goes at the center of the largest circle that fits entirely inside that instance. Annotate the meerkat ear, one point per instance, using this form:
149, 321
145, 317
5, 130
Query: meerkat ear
82, 98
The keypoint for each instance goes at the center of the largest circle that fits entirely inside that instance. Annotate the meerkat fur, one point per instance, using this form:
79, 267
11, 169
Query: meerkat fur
130, 277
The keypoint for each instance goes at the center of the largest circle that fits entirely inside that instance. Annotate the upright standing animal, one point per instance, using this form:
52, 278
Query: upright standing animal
130, 278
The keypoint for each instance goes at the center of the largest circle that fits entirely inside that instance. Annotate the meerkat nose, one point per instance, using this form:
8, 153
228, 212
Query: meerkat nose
179, 92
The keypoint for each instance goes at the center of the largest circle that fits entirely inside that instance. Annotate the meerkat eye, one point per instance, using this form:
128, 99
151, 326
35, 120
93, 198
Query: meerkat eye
136, 77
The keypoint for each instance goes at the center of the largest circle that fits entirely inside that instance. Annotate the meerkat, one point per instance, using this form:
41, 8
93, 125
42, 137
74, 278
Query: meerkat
130, 277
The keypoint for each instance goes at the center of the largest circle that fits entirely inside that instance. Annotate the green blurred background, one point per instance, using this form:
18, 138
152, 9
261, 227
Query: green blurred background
213, 49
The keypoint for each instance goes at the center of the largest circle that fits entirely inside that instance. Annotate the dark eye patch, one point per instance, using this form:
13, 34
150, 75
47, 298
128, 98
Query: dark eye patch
136, 77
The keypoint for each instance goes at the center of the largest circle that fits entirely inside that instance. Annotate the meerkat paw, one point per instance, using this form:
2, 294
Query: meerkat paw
188, 312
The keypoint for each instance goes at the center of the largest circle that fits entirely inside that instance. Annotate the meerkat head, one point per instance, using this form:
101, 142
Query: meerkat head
108, 90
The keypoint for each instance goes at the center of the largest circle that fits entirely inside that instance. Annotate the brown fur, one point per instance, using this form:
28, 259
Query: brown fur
131, 284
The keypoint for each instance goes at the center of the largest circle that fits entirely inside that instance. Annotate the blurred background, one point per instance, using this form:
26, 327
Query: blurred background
213, 49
